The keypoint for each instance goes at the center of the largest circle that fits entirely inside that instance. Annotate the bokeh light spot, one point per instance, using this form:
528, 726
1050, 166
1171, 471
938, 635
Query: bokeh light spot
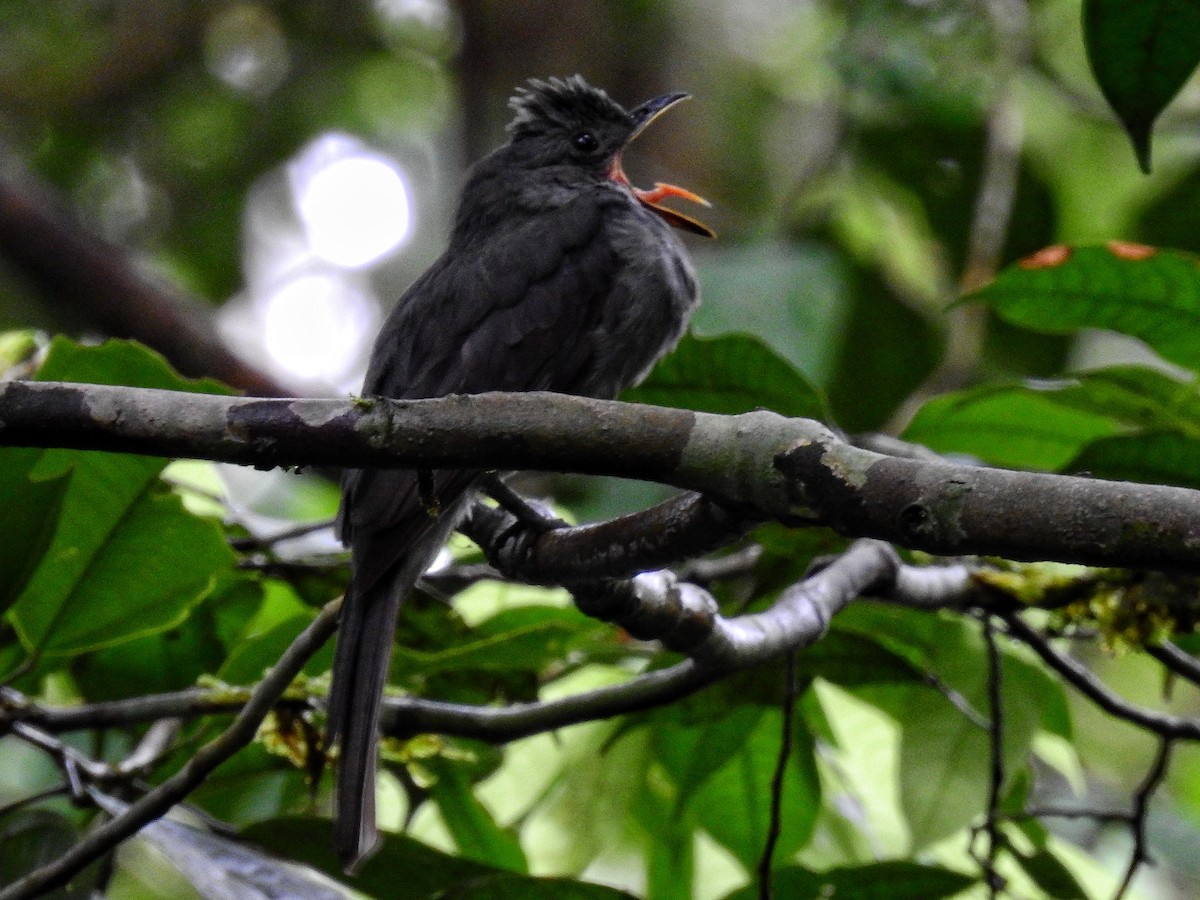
352, 202
315, 324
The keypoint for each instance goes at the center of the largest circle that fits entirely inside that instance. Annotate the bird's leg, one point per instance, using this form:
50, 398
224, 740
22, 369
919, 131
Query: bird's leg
529, 513
427, 493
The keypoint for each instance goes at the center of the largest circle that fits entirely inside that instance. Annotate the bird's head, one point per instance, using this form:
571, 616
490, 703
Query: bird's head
566, 124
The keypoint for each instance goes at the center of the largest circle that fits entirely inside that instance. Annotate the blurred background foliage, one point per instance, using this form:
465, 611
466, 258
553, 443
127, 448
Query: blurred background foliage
290, 167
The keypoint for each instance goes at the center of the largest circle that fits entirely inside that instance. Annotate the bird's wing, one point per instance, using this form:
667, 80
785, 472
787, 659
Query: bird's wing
514, 313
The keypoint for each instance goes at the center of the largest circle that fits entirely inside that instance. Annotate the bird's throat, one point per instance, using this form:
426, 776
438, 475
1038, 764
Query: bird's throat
653, 200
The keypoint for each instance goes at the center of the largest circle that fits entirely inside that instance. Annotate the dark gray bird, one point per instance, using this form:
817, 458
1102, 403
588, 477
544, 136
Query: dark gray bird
560, 276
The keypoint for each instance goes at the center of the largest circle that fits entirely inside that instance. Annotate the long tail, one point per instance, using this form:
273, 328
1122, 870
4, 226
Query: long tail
360, 670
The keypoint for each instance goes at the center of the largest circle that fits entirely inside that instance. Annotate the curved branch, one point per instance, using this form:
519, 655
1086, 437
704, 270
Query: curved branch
796, 620
683, 527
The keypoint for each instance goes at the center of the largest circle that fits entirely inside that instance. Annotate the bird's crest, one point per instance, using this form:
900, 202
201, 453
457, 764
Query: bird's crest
560, 104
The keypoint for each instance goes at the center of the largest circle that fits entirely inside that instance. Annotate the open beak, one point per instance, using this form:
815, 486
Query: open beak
652, 199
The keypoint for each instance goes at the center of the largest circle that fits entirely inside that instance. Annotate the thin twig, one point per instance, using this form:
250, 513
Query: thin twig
255, 542
1063, 812
1141, 803
775, 828
70, 760
33, 798
1078, 676
154, 804
996, 753
1177, 661
958, 701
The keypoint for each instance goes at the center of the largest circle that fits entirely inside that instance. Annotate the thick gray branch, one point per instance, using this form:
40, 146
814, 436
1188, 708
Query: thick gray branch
787, 469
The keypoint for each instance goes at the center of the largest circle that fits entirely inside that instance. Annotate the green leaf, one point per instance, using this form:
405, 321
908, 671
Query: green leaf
874, 881
792, 296
105, 582
1135, 396
29, 511
253, 656
744, 784
669, 842
731, 374
1009, 425
944, 766
1147, 458
1049, 873
1144, 292
406, 869
1076, 424
119, 362
254, 785
848, 659
517, 640
1141, 54
170, 660
33, 838
474, 830
692, 751
126, 559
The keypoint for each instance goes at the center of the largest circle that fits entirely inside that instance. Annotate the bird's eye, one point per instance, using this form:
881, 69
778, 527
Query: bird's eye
585, 142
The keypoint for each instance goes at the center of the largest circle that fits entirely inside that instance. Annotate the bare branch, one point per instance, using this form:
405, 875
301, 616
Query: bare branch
1176, 660
759, 464
1141, 803
775, 827
996, 757
122, 713
797, 619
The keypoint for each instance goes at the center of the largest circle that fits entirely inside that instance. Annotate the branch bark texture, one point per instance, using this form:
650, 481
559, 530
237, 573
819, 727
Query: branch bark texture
766, 466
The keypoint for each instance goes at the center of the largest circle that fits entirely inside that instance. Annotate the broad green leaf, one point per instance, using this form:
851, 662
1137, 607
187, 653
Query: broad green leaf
792, 296
1141, 54
691, 751
1155, 458
1144, 292
1048, 872
254, 785
1009, 425
517, 640
138, 576
847, 658
744, 784
126, 559
253, 656
170, 660
29, 511
470, 823
118, 362
34, 837
895, 880
406, 869
669, 842
944, 766
1135, 396
734, 373
1078, 424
